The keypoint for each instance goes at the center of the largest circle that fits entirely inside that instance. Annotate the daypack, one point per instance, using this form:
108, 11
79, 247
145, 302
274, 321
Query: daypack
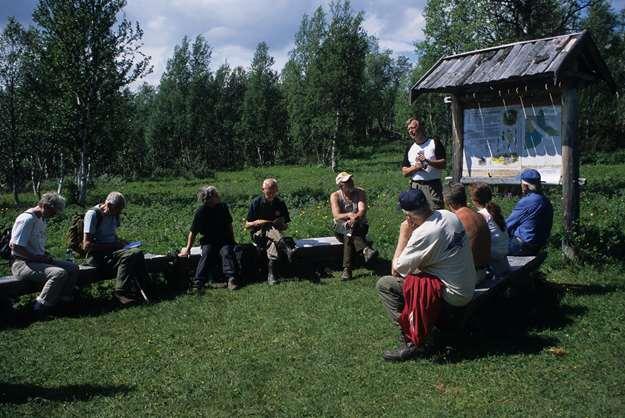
76, 231
5, 249
246, 259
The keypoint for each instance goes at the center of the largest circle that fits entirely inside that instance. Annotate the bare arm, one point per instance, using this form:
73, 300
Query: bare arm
336, 210
408, 171
88, 244
405, 230
186, 251
256, 224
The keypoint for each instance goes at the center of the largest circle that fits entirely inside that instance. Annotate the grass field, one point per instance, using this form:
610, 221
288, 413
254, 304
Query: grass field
305, 349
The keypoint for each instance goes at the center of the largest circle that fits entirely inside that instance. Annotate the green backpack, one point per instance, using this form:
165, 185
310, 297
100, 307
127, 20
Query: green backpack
76, 231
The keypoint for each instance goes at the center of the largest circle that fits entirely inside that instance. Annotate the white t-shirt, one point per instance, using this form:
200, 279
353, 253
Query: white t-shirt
432, 150
498, 244
29, 231
440, 247
106, 232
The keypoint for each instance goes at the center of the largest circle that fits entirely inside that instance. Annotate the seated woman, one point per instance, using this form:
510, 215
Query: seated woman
349, 209
482, 196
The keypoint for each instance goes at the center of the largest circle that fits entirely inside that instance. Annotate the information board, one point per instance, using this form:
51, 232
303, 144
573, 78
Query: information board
502, 141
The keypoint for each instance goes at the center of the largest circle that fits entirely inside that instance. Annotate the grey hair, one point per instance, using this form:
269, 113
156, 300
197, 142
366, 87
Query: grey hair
53, 200
205, 193
270, 182
531, 187
116, 199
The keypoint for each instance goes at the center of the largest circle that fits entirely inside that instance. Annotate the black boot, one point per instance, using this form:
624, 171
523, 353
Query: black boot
402, 353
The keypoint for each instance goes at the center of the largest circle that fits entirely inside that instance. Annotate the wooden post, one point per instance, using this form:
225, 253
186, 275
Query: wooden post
570, 167
457, 131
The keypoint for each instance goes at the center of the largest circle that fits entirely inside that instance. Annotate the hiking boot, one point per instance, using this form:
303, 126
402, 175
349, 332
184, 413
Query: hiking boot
402, 353
232, 284
347, 274
369, 254
197, 288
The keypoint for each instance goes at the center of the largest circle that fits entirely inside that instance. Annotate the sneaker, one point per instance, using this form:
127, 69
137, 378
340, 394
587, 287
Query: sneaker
232, 284
125, 298
369, 254
347, 274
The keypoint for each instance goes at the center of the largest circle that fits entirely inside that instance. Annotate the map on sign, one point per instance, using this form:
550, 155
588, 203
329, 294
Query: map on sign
502, 141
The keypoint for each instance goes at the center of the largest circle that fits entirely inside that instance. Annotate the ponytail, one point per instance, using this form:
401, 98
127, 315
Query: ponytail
495, 212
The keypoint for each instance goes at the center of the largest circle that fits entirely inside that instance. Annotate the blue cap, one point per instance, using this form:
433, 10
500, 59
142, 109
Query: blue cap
412, 199
530, 175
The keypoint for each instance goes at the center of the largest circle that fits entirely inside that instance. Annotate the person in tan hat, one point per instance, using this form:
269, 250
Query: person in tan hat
349, 210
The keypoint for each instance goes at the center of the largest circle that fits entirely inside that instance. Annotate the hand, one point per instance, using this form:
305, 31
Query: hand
421, 157
418, 165
184, 253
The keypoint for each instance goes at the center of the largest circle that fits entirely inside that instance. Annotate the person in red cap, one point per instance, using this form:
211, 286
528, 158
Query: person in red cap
349, 210
432, 266
529, 224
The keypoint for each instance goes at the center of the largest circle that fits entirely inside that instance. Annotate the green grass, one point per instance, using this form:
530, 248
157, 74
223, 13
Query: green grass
315, 349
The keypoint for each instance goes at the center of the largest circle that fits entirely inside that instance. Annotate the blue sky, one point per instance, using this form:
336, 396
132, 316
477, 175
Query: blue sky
234, 27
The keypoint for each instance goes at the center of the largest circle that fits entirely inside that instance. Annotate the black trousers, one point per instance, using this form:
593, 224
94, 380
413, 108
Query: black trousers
216, 262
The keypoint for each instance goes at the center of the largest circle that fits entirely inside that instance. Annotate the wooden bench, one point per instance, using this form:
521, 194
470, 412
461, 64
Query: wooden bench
11, 287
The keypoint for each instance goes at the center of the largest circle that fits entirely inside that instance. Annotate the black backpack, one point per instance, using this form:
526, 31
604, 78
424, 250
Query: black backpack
246, 258
5, 249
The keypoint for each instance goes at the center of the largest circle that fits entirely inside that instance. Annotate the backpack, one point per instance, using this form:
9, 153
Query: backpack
5, 249
246, 259
76, 231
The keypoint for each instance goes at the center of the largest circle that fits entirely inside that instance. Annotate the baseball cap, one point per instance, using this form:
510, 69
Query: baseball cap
529, 175
342, 177
412, 199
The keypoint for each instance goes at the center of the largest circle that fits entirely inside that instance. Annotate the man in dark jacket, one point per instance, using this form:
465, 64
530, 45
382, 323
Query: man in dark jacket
267, 219
529, 224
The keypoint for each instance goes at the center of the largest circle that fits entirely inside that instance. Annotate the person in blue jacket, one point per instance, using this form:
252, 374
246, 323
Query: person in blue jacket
529, 224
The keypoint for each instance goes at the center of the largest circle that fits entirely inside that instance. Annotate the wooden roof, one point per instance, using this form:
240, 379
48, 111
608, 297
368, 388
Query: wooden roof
566, 57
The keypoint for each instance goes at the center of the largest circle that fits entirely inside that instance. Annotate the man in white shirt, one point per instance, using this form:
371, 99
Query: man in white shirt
423, 161
432, 265
32, 262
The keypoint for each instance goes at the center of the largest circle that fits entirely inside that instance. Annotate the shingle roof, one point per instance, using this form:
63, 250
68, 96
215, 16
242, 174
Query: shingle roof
547, 58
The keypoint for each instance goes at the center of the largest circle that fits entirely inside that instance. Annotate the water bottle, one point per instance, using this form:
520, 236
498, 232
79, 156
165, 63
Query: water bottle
69, 255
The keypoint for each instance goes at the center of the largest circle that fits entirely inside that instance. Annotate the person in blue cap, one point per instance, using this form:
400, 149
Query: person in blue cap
529, 224
432, 267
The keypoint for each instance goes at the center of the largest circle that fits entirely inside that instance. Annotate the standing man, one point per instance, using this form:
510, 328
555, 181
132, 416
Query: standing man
349, 210
529, 224
32, 262
423, 161
106, 251
267, 219
213, 221
432, 266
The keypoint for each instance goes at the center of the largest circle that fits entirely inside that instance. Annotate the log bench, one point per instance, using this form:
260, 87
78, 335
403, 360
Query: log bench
11, 287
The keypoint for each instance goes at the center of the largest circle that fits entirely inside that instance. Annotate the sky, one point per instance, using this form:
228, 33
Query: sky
233, 28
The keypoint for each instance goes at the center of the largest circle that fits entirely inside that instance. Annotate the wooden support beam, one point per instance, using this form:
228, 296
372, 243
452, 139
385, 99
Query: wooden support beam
570, 167
457, 131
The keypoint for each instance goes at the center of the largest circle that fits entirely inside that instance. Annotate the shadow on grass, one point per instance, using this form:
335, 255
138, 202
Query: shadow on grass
19, 393
505, 325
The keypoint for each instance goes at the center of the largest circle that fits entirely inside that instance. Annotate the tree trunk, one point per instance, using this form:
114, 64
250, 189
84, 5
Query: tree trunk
14, 181
333, 149
82, 175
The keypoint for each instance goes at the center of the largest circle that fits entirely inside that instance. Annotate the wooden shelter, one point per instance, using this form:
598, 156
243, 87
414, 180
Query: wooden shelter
541, 72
